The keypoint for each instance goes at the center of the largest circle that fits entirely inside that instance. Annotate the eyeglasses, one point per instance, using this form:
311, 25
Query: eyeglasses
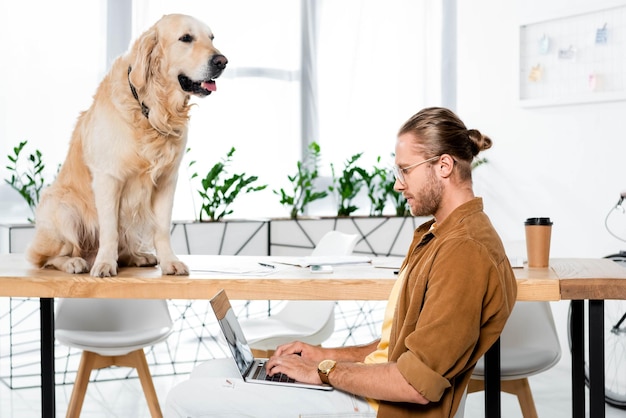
399, 172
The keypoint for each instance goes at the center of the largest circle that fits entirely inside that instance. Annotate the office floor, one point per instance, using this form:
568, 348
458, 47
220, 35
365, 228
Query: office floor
124, 398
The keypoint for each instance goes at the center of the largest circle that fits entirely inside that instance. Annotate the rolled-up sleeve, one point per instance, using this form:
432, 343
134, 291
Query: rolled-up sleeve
430, 384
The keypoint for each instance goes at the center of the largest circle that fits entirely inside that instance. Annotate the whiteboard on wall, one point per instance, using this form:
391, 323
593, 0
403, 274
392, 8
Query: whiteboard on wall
574, 59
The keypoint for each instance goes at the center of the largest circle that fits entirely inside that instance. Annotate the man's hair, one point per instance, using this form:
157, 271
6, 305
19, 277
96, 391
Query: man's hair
438, 131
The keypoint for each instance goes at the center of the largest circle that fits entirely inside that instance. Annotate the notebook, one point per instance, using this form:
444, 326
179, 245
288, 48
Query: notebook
252, 369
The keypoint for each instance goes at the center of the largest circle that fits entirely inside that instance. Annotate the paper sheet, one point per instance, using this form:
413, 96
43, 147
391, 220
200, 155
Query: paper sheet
321, 260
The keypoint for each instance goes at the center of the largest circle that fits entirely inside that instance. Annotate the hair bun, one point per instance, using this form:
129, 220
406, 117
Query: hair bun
480, 141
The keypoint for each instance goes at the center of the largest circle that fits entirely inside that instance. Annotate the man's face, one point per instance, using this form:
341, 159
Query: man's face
421, 188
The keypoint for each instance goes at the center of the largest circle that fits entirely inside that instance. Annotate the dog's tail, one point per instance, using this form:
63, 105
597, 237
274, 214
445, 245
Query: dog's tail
42, 248
47, 249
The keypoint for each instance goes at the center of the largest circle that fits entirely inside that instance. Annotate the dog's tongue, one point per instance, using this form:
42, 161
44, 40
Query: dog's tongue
209, 85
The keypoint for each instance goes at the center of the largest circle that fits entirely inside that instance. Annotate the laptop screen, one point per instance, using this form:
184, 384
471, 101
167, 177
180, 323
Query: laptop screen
233, 333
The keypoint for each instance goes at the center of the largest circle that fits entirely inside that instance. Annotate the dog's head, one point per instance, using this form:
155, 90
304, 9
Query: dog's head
172, 60
179, 50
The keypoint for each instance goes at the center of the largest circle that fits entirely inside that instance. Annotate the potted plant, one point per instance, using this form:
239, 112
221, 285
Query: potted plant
379, 184
28, 182
380, 234
212, 233
303, 183
348, 185
218, 193
26, 177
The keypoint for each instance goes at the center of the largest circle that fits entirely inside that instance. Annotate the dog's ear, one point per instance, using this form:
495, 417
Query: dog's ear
144, 61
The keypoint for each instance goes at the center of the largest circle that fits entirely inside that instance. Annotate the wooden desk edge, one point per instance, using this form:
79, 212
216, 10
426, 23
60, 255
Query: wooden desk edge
20, 280
590, 289
254, 289
537, 290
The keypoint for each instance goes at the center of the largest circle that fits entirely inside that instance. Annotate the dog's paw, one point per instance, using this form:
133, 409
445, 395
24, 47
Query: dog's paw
176, 267
75, 265
104, 270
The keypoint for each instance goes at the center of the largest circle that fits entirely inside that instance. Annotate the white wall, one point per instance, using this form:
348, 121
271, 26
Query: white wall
565, 162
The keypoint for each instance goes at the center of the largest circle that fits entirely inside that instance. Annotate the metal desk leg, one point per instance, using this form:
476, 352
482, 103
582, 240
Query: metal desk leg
492, 381
577, 333
596, 359
46, 315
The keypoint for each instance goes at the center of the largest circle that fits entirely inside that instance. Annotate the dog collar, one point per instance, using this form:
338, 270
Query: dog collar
145, 110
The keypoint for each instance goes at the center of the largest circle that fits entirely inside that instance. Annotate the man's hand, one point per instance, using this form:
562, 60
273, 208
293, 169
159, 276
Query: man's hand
382, 381
295, 366
306, 351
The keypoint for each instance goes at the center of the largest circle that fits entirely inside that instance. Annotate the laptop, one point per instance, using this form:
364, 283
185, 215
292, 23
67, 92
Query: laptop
252, 369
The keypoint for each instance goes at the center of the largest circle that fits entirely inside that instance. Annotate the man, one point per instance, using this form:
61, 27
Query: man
453, 296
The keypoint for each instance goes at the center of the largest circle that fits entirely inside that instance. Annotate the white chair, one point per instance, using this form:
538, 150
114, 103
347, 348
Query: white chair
529, 344
112, 332
308, 321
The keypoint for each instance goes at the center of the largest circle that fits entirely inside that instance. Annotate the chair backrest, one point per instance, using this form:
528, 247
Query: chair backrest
106, 315
529, 343
335, 243
310, 314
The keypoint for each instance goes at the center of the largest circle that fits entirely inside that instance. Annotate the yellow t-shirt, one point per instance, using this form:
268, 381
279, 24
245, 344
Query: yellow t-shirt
381, 354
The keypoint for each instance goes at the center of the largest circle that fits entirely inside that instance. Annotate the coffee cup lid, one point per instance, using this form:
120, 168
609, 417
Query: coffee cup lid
538, 221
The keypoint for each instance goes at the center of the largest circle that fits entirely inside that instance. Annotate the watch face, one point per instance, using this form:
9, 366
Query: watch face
326, 365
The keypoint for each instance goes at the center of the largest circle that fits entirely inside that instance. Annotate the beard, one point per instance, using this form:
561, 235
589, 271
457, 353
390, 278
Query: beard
428, 200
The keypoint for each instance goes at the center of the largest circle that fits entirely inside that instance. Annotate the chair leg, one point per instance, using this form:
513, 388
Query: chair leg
139, 359
91, 361
519, 388
87, 361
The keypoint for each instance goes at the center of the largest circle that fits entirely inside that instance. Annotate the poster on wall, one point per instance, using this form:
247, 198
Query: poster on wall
574, 59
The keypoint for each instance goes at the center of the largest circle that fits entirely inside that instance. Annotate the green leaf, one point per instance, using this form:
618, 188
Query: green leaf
219, 192
28, 182
302, 183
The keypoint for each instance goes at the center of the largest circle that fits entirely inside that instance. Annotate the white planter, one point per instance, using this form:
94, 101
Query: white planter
14, 238
232, 237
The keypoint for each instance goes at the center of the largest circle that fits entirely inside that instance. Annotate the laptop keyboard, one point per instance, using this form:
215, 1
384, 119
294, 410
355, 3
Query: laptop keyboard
278, 377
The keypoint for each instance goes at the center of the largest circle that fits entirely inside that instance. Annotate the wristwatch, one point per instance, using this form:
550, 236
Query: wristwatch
324, 369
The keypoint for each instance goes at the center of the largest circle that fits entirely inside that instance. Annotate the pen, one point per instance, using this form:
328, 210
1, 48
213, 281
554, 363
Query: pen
267, 265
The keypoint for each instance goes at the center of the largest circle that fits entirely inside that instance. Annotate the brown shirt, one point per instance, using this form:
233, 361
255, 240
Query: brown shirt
459, 292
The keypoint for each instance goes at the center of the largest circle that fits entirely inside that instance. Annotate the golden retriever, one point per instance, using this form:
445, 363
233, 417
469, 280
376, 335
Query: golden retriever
112, 199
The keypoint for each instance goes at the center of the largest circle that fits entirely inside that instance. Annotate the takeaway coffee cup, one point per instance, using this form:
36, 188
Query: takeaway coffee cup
538, 232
